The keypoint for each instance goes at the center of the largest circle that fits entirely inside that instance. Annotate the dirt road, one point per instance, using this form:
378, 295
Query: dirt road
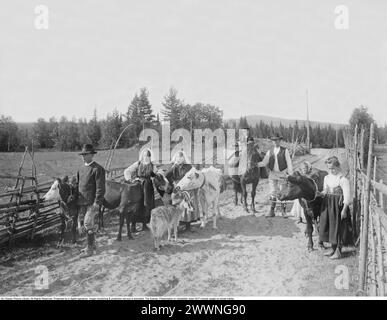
249, 255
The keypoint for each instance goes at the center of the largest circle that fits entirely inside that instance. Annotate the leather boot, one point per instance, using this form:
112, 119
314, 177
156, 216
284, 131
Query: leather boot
144, 227
88, 251
93, 244
271, 213
330, 252
337, 254
284, 215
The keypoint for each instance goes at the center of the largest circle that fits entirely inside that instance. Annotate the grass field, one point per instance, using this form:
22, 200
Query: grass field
57, 164
51, 164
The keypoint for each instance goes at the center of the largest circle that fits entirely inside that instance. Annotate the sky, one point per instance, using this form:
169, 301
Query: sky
244, 56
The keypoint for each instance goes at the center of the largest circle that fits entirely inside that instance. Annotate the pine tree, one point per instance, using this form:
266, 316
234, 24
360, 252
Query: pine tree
145, 108
172, 109
111, 129
94, 130
42, 134
133, 115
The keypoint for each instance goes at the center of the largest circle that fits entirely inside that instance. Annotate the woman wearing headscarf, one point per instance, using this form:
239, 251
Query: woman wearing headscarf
180, 166
335, 221
143, 170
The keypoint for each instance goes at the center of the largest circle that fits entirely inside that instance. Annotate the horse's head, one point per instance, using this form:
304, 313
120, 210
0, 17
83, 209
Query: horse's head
298, 187
253, 157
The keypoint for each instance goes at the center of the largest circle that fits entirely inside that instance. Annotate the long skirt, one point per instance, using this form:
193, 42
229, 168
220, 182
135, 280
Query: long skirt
194, 215
149, 199
332, 228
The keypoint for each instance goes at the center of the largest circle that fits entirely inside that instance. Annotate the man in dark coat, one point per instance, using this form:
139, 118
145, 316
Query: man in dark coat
91, 184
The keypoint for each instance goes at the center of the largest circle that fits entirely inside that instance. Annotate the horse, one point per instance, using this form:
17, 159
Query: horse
250, 176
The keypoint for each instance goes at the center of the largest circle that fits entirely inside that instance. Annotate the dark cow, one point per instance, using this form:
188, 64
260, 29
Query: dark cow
127, 199
306, 189
123, 197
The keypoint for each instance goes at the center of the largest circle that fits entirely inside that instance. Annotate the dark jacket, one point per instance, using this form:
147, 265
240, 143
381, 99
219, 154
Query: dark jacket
91, 184
282, 164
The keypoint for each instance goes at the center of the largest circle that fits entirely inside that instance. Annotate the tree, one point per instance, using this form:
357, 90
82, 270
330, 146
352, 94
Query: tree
133, 116
83, 137
243, 124
111, 129
94, 130
382, 134
173, 107
362, 119
42, 134
68, 135
9, 135
145, 109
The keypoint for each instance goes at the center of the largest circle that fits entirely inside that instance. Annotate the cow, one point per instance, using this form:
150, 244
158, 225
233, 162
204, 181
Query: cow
306, 189
119, 196
166, 218
163, 188
208, 181
128, 199
66, 194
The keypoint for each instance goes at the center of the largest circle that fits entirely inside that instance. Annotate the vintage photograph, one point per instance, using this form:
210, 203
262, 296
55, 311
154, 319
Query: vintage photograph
193, 149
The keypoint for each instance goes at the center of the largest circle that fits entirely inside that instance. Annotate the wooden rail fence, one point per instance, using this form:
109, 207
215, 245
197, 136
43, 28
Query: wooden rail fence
369, 212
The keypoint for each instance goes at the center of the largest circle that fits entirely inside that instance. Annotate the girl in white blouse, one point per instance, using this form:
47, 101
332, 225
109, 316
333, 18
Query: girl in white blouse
335, 222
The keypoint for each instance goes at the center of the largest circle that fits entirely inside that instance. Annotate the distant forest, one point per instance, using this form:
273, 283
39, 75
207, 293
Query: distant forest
69, 135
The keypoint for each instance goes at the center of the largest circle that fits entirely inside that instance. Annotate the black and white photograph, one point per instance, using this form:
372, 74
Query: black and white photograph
192, 149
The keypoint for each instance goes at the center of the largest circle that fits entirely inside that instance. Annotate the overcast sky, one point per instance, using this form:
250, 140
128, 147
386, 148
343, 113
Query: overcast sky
244, 56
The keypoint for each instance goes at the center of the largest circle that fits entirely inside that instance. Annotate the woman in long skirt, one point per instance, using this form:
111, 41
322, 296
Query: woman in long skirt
180, 166
335, 221
143, 170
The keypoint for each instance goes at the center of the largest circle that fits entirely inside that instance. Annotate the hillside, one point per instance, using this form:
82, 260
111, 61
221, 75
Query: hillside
254, 119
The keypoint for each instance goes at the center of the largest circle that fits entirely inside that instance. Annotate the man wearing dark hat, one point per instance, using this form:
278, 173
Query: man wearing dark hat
91, 184
279, 163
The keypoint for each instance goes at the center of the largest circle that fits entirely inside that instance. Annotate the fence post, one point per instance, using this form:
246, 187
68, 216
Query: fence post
374, 175
355, 203
381, 197
364, 242
380, 261
362, 148
372, 260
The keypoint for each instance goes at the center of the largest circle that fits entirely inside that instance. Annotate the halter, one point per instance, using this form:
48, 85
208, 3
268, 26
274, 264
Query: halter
315, 194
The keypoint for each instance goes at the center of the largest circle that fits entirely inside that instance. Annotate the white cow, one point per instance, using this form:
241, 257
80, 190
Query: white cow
208, 180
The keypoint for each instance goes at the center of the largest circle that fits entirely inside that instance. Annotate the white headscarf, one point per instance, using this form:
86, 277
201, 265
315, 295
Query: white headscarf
180, 157
144, 158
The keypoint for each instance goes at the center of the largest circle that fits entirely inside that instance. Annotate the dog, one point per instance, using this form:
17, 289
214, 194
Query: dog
167, 217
